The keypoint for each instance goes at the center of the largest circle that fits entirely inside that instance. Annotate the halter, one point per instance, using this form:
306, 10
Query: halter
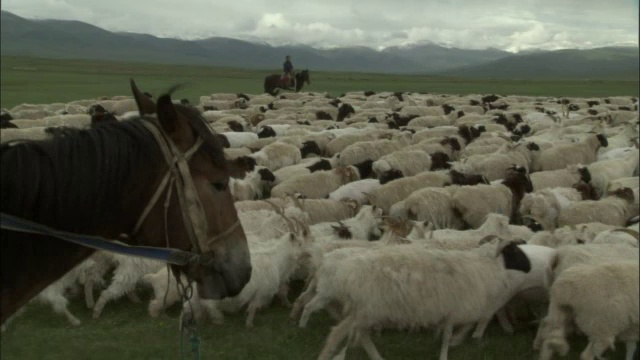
178, 172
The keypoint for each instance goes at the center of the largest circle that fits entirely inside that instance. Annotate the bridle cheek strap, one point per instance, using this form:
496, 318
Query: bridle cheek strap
178, 170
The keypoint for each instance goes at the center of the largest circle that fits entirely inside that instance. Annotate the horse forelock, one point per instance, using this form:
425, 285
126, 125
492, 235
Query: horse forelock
212, 144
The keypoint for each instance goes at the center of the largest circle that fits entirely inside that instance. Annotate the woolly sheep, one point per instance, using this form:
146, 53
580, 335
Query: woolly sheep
165, 290
374, 298
558, 157
564, 178
409, 162
473, 203
432, 204
390, 193
253, 186
129, 271
318, 184
544, 206
277, 155
602, 301
613, 210
606, 170
355, 190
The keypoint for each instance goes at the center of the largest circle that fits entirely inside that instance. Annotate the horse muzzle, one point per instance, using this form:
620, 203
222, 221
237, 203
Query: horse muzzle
224, 276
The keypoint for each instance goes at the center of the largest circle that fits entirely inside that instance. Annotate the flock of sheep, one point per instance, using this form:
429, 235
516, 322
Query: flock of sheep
408, 211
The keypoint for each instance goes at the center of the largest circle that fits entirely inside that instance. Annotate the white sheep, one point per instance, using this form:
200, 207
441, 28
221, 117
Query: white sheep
272, 266
165, 290
432, 204
409, 286
561, 155
252, 186
129, 271
355, 190
602, 301
411, 162
562, 178
544, 206
473, 203
617, 236
392, 192
614, 210
602, 172
240, 139
54, 294
277, 155
318, 184
371, 150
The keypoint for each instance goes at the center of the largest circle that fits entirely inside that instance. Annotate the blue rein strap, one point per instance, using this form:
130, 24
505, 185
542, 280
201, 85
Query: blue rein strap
168, 255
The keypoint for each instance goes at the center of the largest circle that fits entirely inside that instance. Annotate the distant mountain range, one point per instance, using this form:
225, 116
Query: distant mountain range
78, 40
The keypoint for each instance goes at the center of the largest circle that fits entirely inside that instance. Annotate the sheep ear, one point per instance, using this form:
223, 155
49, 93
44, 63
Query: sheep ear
514, 258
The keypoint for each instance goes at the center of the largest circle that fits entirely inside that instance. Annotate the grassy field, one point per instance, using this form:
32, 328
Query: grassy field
125, 331
32, 80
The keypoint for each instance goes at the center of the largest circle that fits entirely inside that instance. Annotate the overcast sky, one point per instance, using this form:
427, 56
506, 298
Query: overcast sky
511, 25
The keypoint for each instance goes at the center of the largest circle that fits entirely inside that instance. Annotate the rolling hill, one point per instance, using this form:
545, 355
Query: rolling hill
77, 40
608, 62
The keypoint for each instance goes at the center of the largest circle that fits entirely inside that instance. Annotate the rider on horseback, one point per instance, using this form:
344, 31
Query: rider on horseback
287, 68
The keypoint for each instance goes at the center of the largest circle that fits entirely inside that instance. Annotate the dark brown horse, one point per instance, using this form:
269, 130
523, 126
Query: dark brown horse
99, 181
274, 82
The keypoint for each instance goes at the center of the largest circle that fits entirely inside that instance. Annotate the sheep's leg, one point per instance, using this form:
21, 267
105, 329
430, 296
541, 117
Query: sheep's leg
369, 346
88, 292
314, 305
338, 333
480, 328
503, 320
446, 338
59, 304
215, 314
283, 292
251, 313
594, 349
461, 334
114, 291
631, 349
342, 354
303, 299
540, 334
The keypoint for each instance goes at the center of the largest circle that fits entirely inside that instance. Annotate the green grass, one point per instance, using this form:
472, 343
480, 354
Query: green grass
34, 80
125, 331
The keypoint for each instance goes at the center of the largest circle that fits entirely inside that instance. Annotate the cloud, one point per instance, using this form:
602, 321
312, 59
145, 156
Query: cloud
508, 25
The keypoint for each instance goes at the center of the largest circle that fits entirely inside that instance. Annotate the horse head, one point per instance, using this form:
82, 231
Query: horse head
207, 220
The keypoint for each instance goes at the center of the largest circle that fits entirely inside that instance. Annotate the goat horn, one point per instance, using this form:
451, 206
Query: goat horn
280, 212
296, 201
487, 239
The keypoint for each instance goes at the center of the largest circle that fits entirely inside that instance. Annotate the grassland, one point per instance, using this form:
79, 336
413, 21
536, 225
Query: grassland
125, 331
33, 80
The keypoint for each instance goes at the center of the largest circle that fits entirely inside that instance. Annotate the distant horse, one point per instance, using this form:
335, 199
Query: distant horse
101, 181
274, 82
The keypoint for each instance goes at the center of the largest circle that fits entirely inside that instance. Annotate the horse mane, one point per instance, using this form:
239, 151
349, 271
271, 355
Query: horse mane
36, 184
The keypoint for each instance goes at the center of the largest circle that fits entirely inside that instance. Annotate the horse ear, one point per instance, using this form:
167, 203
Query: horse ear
172, 123
145, 104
